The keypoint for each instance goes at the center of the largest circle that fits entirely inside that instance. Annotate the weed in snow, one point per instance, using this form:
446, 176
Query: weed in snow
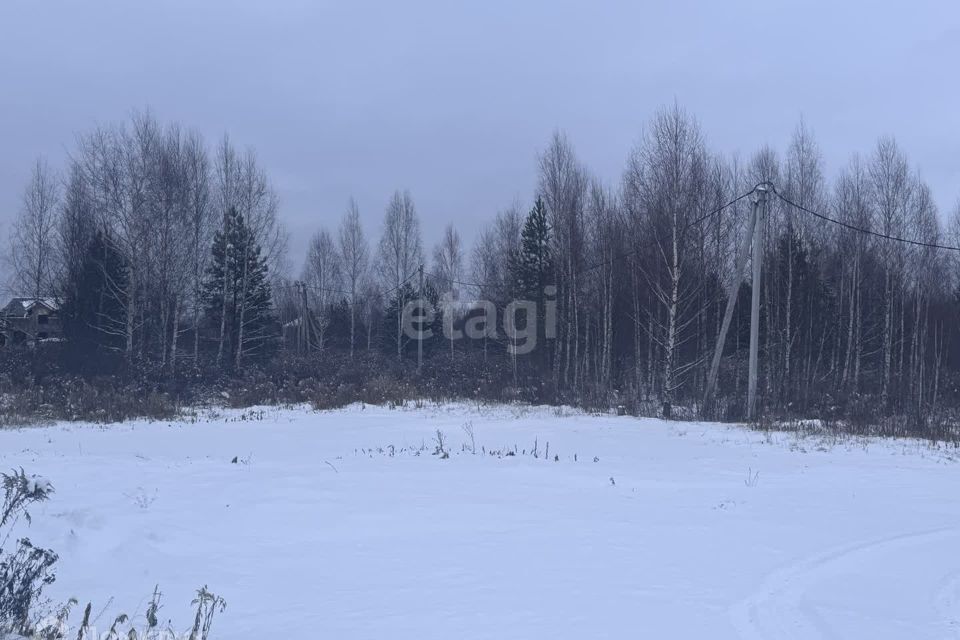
468, 429
27, 570
440, 446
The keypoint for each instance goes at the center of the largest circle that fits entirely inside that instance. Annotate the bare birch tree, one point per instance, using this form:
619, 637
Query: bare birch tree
201, 222
448, 270
892, 189
321, 273
354, 261
33, 236
563, 185
400, 251
664, 190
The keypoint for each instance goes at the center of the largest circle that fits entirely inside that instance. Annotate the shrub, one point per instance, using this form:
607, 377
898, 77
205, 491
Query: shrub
28, 569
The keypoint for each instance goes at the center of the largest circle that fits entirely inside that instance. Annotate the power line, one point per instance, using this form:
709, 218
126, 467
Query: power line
361, 296
626, 254
727, 205
587, 269
851, 227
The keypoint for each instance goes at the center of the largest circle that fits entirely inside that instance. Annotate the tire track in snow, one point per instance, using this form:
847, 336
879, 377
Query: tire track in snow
947, 603
775, 610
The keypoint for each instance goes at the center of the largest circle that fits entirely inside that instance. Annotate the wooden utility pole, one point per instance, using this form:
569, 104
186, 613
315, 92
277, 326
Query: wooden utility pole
420, 324
759, 199
304, 317
299, 321
732, 296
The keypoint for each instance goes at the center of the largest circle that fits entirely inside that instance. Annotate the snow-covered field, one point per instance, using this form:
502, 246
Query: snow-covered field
343, 525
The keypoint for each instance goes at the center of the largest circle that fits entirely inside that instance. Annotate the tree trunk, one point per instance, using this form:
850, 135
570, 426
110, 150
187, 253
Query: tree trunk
173, 339
131, 310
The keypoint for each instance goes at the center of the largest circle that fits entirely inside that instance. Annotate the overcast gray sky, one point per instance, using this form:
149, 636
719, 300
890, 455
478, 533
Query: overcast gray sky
452, 100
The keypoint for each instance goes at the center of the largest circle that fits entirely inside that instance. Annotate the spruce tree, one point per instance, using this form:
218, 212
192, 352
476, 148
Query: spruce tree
533, 271
236, 256
92, 313
533, 267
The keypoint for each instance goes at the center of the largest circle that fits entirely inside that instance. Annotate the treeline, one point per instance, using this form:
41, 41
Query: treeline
156, 248
169, 255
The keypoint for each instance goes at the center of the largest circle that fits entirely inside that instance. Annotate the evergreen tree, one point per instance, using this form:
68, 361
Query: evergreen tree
237, 287
532, 271
337, 333
93, 314
533, 267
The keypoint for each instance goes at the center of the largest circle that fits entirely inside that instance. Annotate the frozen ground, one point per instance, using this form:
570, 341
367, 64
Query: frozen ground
343, 525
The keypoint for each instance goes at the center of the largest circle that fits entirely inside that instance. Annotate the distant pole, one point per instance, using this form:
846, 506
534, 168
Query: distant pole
300, 338
304, 316
420, 324
758, 199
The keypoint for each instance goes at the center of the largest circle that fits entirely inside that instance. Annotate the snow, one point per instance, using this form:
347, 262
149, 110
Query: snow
39, 484
26, 303
343, 525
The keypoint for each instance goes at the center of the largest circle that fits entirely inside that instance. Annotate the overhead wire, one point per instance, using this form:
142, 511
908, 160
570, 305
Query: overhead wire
864, 230
482, 285
617, 258
362, 296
